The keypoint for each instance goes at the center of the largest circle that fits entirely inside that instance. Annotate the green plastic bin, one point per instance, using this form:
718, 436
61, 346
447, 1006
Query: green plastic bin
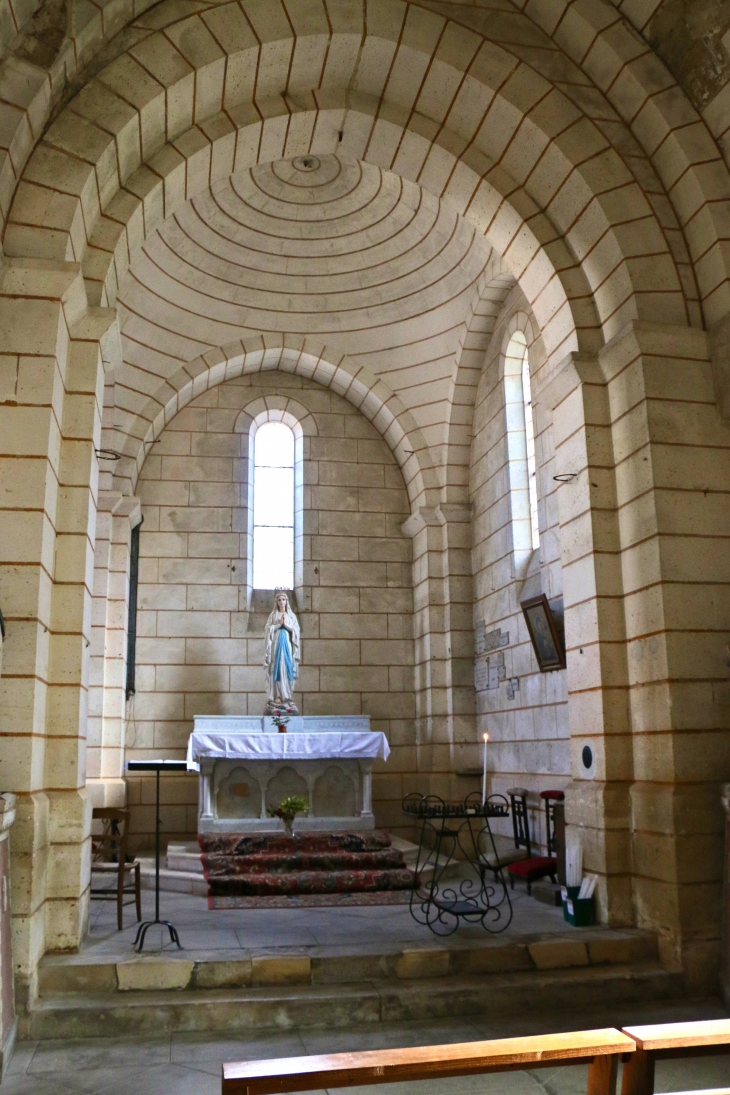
577, 912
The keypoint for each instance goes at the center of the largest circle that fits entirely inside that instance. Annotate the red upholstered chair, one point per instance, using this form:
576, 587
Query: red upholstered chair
535, 866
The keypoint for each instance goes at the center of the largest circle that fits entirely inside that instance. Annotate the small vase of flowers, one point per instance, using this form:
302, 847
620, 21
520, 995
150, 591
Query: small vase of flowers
288, 809
280, 717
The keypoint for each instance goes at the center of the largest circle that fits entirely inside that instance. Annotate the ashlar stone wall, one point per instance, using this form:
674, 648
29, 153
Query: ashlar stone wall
529, 733
200, 649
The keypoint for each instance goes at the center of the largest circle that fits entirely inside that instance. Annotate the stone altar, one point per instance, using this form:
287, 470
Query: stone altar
245, 765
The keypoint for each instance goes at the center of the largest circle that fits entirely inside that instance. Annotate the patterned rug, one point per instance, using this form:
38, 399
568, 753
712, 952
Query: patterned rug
310, 900
330, 866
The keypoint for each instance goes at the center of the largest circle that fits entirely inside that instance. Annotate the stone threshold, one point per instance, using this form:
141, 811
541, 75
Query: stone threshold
115, 1014
191, 970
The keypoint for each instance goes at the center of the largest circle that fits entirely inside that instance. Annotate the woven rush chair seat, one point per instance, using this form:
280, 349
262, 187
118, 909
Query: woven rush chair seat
109, 857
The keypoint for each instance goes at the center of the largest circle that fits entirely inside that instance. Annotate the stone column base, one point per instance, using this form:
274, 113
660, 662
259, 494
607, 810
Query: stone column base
107, 792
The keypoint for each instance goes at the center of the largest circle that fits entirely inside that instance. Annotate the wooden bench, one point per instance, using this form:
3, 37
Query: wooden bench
707, 1038
601, 1049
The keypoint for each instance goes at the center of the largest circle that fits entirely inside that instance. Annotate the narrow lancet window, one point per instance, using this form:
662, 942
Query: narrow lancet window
273, 507
530, 447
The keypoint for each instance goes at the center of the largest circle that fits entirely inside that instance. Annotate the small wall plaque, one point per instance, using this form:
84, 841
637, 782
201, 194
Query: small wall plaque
496, 639
486, 641
488, 672
481, 674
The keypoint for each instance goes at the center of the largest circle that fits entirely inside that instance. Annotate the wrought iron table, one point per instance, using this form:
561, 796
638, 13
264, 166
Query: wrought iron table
460, 830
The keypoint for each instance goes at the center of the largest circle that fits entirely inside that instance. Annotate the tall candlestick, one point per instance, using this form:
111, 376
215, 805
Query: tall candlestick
485, 738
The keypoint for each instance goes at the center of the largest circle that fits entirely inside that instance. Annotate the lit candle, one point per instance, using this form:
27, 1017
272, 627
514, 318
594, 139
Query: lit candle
485, 738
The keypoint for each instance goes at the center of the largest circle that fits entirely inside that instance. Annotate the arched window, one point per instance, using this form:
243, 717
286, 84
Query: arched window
522, 464
273, 507
530, 447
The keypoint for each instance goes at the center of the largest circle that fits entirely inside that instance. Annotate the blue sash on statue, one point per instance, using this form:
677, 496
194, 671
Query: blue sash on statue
282, 654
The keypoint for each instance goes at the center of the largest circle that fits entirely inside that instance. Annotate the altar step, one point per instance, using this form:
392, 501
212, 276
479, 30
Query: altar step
306, 863
182, 869
170, 994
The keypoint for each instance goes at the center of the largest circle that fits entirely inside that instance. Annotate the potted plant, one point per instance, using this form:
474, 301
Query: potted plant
288, 809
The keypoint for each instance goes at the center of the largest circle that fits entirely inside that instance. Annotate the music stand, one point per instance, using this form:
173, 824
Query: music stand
156, 766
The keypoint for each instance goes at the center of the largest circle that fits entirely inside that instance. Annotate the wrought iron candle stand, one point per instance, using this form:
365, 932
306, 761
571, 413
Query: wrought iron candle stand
459, 830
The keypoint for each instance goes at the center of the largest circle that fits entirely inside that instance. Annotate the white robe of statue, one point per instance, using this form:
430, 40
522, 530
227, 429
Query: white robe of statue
281, 652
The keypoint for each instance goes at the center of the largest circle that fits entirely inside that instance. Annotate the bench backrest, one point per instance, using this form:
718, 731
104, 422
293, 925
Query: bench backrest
681, 1036
602, 1047
670, 1040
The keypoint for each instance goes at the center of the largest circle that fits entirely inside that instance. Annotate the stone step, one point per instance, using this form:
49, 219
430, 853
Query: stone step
299, 862
288, 883
172, 880
115, 1014
193, 971
184, 857
448, 867
183, 863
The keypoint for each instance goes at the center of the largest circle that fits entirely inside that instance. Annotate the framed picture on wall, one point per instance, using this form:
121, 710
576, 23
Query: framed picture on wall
547, 642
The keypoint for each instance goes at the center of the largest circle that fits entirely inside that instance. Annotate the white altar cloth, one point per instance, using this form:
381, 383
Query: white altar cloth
352, 744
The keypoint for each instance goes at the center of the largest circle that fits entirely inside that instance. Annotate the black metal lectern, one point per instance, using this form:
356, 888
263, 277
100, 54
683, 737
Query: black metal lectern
156, 766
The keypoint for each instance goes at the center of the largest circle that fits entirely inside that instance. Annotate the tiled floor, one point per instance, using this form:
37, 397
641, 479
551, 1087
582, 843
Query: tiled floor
191, 1064
202, 929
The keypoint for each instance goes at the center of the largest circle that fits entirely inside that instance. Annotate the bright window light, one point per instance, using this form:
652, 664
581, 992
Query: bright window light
273, 507
530, 445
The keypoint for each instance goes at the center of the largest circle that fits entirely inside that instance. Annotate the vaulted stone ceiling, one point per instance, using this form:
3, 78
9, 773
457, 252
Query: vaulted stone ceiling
366, 261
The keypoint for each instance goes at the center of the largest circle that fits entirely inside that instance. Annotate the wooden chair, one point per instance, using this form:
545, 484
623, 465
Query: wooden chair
534, 866
109, 856
706, 1038
601, 1048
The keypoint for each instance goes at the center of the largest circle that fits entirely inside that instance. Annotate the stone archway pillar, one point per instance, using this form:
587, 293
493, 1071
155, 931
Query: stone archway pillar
642, 520
725, 968
50, 419
598, 798
116, 517
672, 457
444, 643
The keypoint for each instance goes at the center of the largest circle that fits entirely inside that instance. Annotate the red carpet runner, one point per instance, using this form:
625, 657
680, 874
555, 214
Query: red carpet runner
306, 863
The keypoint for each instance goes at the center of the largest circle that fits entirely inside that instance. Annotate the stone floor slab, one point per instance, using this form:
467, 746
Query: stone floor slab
191, 1064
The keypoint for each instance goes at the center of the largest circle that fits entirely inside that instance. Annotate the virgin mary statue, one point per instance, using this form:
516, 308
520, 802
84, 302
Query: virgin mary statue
281, 655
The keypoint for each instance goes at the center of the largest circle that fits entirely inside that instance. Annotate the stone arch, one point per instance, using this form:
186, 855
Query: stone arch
86, 166
676, 139
514, 316
525, 324
468, 362
357, 384
277, 408
561, 294
592, 34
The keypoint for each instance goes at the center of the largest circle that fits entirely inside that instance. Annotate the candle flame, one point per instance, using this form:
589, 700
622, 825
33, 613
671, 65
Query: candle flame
486, 737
